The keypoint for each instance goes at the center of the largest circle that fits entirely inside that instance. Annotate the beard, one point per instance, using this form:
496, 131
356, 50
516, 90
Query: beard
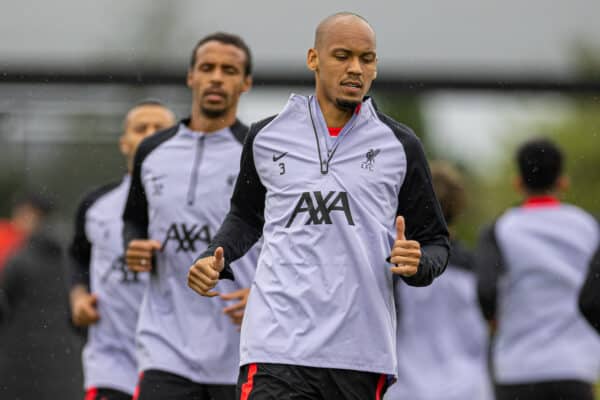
213, 113
346, 105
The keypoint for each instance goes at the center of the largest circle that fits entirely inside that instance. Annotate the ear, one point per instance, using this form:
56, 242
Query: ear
247, 84
312, 60
563, 183
517, 184
189, 78
123, 145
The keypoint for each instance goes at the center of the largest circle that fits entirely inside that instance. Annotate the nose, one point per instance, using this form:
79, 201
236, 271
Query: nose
354, 66
216, 76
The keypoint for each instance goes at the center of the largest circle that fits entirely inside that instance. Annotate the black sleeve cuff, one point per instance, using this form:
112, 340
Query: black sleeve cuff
434, 259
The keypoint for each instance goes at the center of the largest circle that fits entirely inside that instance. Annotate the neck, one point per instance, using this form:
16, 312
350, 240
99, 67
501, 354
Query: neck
334, 116
200, 123
548, 193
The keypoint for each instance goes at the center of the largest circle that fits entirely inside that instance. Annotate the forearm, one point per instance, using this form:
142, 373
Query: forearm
236, 236
434, 258
76, 292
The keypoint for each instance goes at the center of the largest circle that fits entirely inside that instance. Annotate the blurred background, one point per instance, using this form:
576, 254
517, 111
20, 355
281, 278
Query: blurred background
472, 78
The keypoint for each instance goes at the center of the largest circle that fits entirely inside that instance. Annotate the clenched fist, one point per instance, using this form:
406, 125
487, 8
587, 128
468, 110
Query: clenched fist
406, 254
83, 307
204, 274
139, 254
236, 311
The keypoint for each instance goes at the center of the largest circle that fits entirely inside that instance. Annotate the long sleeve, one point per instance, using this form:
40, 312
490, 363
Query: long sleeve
589, 297
419, 206
489, 266
243, 225
80, 248
135, 215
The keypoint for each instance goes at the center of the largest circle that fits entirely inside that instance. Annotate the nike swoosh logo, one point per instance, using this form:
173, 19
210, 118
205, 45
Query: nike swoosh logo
279, 157
156, 178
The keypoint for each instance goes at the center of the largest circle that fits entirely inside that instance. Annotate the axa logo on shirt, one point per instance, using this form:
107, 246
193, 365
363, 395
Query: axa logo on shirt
185, 236
319, 208
118, 266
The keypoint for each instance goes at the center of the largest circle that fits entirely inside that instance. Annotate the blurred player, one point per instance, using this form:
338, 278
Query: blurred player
442, 337
589, 298
335, 187
27, 213
38, 347
105, 295
531, 265
182, 181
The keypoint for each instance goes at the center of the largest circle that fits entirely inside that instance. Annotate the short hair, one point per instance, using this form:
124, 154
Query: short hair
325, 22
449, 187
148, 102
145, 102
540, 164
225, 38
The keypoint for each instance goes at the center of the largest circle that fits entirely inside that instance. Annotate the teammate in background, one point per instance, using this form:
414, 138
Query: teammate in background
336, 188
38, 347
442, 337
105, 295
589, 297
531, 265
182, 181
27, 213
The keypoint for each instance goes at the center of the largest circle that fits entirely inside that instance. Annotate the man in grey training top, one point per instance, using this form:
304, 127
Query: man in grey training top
188, 346
336, 188
532, 262
105, 296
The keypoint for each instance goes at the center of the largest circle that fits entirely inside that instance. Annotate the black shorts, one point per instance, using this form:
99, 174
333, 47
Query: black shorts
291, 382
551, 390
105, 394
161, 385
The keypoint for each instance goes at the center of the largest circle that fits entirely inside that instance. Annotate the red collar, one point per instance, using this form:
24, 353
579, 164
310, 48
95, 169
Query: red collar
541, 201
336, 131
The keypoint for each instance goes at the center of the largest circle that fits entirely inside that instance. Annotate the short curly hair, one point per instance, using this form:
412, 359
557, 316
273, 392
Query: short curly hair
540, 163
225, 38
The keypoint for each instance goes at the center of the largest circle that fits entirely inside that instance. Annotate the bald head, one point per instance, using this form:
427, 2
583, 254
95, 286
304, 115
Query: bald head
344, 60
335, 22
142, 120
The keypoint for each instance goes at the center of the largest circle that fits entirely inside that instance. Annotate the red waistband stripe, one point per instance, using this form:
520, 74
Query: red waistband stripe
380, 385
249, 384
91, 393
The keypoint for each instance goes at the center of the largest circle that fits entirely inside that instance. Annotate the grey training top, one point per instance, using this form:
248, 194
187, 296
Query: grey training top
181, 184
323, 293
442, 337
96, 253
531, 265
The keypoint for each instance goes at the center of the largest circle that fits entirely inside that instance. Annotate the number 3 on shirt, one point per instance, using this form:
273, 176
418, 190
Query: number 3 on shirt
282, 166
